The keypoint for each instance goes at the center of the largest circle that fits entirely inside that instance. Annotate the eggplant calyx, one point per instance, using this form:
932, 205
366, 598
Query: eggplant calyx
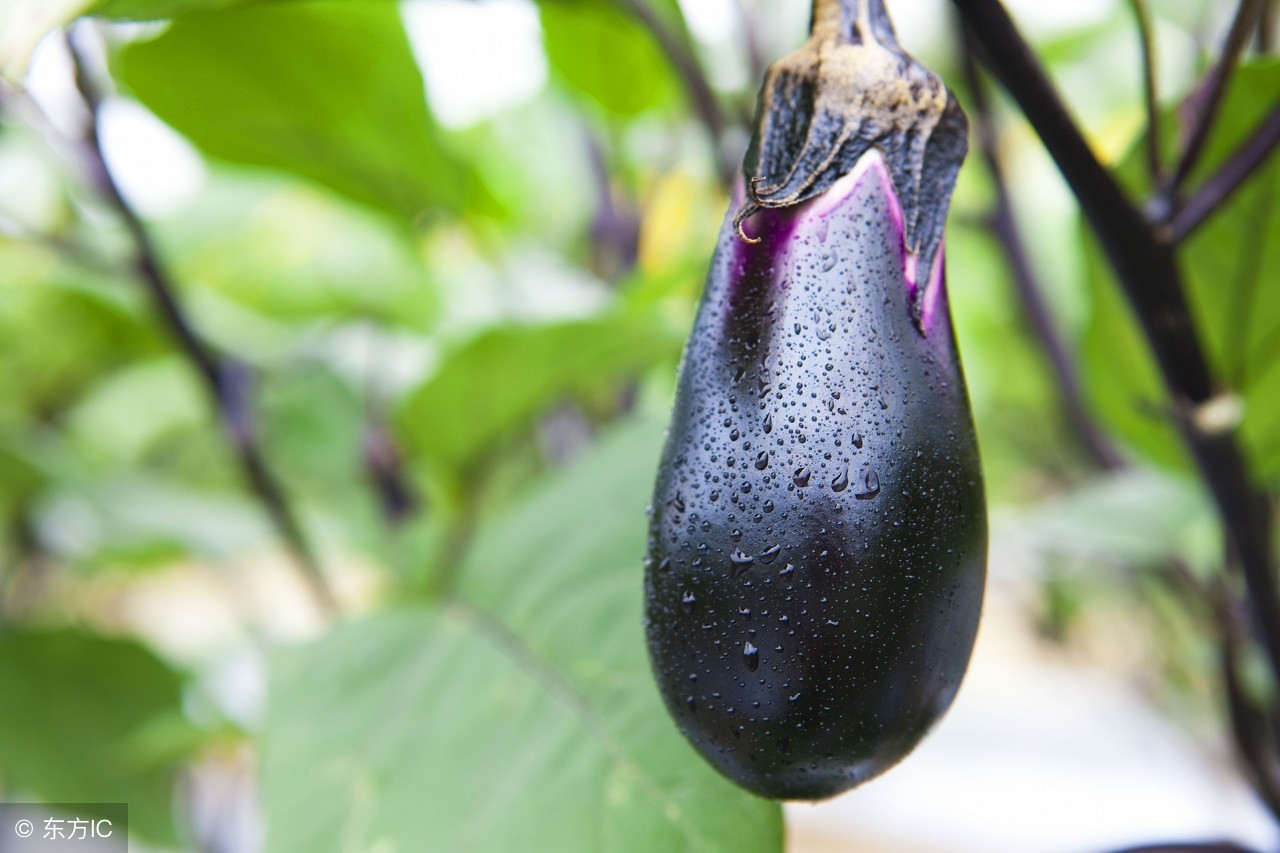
852, 87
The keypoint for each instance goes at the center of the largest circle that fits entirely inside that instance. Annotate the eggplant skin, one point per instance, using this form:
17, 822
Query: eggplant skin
818, 531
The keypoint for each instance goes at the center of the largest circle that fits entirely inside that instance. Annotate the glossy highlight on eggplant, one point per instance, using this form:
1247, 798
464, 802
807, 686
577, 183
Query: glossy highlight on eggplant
817, 541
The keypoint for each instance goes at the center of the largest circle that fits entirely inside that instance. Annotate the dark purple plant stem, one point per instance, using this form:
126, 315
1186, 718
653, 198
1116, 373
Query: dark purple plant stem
695, 82
1211, 195
1214, 87
615, 225
1191, 847
1004, 226
226, 382
1149, 276
1150, 97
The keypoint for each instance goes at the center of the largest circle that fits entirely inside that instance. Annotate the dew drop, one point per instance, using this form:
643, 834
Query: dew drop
872, 483
841, 481
750, 656
801, 477
762, 460
688, 601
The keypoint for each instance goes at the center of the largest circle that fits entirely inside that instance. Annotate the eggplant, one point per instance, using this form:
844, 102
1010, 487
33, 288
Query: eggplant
817, 536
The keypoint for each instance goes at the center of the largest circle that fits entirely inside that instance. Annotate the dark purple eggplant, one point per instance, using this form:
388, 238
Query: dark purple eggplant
818, 531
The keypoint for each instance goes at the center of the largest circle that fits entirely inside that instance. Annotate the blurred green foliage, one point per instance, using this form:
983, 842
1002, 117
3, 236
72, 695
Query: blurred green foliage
463, 342
1230, 267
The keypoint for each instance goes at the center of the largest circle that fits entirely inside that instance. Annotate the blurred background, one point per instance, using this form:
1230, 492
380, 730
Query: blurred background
325, 444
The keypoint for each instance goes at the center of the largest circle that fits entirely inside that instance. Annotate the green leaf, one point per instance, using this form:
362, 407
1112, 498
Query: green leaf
289, 251
77, 715
125, 414
97, 327
1137, 516
151, 10
599, 50
523, 716
501, 379
328, 90
1232, 272
138, 519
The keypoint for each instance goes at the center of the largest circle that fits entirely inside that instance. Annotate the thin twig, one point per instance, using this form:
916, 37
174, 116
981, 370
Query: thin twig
1213, 88
1004, 226
385, 470
690, 72
615, 225
1214, 192
1147, 272
227, 383
1147, 39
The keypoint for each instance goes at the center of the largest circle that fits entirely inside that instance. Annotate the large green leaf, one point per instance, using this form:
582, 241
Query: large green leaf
1232, 272
126, 413
327, 90
135, 519
500, 380
87, 329
601, 51
151, 10
1137, 516
85, 719
521, 716
290, 252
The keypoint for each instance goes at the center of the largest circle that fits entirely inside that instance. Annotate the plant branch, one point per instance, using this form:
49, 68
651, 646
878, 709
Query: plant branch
1004, 226
228, 383
1147, 272
1214, 192
1213, 88
1147, 39
695, 82
1192, 847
